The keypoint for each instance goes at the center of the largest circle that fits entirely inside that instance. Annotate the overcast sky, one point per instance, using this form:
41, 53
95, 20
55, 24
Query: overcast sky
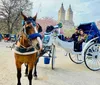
84, 10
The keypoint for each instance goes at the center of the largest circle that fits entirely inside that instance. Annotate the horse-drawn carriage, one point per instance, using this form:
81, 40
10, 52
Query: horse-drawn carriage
29, 39
26, 47
90, 48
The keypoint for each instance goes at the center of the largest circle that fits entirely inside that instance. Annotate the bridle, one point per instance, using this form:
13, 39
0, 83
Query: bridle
24, 31
33, 23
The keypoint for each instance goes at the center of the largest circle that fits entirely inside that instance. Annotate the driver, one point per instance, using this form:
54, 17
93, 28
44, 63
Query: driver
75, 38
75, 35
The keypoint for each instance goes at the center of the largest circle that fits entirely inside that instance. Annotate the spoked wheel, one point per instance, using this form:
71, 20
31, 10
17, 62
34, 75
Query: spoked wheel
53, 56
76, 58
92, 57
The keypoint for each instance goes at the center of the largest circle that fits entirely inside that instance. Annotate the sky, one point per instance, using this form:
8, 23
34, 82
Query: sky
84, 11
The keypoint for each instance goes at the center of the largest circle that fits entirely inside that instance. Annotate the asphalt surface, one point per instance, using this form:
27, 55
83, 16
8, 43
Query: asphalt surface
65, 73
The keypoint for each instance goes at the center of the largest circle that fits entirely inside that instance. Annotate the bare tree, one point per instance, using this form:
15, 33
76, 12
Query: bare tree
10, 12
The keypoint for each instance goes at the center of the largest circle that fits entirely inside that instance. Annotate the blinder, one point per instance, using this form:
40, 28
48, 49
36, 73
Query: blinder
28, 21
31, 20
31, 36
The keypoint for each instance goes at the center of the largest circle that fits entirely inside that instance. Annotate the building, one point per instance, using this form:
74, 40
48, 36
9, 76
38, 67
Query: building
66, 18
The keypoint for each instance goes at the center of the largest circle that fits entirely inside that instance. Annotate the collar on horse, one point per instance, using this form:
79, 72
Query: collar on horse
21, 51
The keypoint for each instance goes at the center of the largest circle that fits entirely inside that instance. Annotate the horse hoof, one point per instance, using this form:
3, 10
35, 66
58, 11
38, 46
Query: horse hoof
35, 78
19, 84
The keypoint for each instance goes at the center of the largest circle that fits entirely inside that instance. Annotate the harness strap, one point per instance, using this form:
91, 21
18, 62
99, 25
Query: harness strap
25, 47
23, 50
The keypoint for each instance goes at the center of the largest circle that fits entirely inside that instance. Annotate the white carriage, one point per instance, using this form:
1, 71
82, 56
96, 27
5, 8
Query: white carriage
90, 49
90, 53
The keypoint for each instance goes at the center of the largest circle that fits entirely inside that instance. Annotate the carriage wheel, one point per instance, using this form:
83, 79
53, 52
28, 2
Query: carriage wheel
92, 57
76, 58
53, 57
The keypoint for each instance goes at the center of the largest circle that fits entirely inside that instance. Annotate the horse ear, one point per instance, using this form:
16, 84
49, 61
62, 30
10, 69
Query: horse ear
35, 17
40, 28
23, 16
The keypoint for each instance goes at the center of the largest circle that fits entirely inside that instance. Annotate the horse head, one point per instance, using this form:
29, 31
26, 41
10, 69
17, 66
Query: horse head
30, 33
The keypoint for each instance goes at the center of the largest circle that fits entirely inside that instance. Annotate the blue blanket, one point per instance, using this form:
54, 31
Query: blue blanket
35, 35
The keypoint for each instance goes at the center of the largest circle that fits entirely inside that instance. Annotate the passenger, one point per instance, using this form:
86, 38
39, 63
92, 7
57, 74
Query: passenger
75, 35
82, 37
75, 38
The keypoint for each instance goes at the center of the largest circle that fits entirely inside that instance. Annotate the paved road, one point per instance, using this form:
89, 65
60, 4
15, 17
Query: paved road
65, 73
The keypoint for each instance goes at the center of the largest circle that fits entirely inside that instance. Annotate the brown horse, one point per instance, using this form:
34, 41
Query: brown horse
25, 43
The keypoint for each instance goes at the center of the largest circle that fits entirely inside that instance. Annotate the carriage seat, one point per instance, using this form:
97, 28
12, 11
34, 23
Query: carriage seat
62, 37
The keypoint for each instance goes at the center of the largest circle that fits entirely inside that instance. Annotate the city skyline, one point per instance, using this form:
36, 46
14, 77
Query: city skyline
84, 10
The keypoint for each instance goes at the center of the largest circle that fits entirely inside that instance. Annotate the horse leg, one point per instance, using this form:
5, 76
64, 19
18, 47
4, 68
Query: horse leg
30, 69
18, 65
26, 70
18, 76
35, 71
